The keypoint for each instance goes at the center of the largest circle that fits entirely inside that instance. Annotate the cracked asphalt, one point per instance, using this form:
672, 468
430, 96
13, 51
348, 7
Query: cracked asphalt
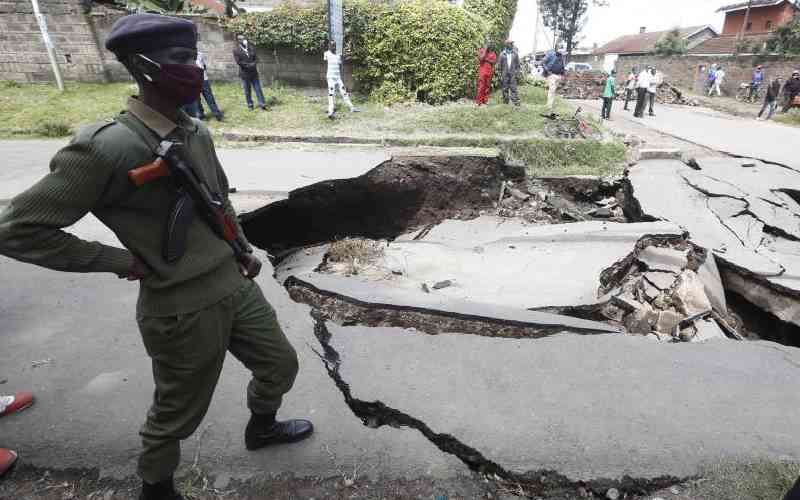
602, 407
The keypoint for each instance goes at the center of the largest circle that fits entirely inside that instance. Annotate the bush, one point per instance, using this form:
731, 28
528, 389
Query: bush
786, 39
498, 16
288, 25
425, 47
53, 129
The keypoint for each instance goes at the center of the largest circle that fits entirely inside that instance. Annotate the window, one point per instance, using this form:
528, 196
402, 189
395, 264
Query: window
749, 26
769, 25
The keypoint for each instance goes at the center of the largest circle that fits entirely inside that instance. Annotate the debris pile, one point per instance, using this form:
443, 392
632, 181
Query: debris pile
667, 94
669, 289
583, 85
548, 201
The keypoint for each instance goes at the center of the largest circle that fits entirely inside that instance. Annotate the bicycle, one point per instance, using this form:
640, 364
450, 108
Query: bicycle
744, 94
572, 128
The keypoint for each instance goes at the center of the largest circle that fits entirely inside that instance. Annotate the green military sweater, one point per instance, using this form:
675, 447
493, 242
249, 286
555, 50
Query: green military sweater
91, 175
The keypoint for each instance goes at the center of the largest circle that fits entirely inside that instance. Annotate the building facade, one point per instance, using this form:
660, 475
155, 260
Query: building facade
765, 16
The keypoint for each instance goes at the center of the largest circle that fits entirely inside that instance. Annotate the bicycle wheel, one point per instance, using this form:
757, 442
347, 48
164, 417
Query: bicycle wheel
558, 130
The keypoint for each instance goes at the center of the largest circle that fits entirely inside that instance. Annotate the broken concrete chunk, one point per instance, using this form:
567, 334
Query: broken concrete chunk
516, 193
707, 330
650, 292
712, 284
443, 284
661, 280
726, 207
626, 301
748, 229
667, 321
602, 213
774, 216
689, 295
638, 322
663, 259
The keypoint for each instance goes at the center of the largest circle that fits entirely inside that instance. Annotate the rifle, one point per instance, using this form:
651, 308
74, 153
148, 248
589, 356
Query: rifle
194, 196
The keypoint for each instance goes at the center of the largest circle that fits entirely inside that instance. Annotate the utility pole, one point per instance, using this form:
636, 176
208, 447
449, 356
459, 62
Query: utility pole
744, 25
48, 43
536, 29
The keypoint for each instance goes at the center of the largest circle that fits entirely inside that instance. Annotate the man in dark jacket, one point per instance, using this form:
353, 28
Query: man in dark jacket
771, 100
245, 56
509, 69
790, 91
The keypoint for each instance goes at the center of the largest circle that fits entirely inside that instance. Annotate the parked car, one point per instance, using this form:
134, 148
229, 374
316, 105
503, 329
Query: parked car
579, 67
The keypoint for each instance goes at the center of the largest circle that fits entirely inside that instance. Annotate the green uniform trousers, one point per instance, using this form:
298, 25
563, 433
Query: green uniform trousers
187, 353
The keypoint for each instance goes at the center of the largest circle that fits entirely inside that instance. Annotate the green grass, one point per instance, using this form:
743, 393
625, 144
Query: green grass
553, 158
790, 118
756, 481
40, 110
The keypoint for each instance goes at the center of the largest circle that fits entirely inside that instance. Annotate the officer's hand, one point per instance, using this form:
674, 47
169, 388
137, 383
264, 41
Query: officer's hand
137, 271
250, 266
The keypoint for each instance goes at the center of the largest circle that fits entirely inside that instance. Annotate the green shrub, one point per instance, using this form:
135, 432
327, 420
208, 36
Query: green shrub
566, 157
288, 25
53, 129
498, 16
426, 47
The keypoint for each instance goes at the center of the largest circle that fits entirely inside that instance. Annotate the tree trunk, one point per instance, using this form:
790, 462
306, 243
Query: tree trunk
744, 25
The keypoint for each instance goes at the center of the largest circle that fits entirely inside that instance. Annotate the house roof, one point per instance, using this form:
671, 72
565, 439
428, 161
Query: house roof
642, 43
756, 3
726, 44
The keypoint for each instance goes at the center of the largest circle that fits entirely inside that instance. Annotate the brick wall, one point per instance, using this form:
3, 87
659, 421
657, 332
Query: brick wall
79, 38
690, 72
776, 14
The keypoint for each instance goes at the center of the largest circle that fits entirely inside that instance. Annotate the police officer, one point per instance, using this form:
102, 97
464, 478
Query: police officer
190, 311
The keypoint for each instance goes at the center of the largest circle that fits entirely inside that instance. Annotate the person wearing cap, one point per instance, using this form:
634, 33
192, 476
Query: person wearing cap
509, 69
791, 89
756, 81
192, 310
245, 56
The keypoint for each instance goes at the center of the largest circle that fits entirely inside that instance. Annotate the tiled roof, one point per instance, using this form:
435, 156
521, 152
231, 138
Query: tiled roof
641, 42
756, 3
726, 44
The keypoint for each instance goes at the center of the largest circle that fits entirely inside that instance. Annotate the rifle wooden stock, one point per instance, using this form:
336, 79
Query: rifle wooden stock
148, 173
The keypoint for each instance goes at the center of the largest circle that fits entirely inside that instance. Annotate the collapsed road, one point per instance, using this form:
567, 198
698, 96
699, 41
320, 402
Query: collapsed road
588, 406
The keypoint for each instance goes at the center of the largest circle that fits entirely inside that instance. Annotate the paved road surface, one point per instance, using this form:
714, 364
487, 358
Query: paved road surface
609, 407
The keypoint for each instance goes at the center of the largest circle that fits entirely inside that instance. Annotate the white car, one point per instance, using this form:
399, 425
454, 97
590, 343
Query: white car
578, 67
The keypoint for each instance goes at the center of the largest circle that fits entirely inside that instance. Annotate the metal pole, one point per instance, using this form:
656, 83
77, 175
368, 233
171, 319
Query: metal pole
744, 25
48, 43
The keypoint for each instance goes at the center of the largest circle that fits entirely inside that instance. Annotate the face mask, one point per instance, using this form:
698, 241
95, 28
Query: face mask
183, 83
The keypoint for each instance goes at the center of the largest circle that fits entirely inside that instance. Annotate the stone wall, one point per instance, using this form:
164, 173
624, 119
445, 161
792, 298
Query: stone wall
690, 72
79, 38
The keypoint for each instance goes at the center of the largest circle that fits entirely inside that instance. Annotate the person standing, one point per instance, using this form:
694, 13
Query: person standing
630, 87
9, 405
712, 75
791, 89
652, 90
509, 69
608, 95
195, 110
486, 61
554, 70
197, 301
642, 86
719, 79
334, 77
245, 56
771, 99
756, 81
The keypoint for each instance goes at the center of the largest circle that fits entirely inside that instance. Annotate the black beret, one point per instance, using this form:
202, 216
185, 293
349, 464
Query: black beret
148, 32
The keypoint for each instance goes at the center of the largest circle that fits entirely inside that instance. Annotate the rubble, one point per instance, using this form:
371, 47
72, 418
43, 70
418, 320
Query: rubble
582, 85
749, 222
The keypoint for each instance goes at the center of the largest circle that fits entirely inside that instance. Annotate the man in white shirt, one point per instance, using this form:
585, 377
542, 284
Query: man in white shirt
652, 89
642, 86
334, 78
720, 78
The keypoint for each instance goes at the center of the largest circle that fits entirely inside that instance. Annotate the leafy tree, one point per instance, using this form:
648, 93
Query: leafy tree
566, 18
498, 15
671, 44
786, 39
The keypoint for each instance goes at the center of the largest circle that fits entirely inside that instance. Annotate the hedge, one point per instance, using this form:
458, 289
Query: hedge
411, 49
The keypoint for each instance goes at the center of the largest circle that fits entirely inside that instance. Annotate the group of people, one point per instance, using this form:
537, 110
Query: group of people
643, 85
790, 91
510, 66
246, 58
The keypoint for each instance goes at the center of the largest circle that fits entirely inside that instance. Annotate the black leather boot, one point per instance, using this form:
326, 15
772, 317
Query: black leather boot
794, 493
163, 490
264, 430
